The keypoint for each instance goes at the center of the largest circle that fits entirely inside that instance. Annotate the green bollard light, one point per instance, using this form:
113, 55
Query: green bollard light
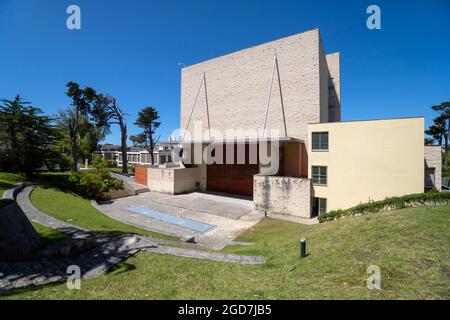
302, 248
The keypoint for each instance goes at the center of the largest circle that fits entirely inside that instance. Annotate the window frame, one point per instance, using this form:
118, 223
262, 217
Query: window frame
320, 207
319, 134
318, 178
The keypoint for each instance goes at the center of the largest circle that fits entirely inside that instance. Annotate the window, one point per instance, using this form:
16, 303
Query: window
320, 141
331, 101
319, 206
322, 205
319, 175
331, 115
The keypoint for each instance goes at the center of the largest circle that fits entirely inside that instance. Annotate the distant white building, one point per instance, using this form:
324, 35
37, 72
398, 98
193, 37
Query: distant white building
138, 156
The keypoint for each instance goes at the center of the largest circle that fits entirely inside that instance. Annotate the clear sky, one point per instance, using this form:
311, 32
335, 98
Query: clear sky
131, 50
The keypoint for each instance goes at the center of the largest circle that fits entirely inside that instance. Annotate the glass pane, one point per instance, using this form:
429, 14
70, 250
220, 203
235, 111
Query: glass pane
315, 141
322, 205
324, 141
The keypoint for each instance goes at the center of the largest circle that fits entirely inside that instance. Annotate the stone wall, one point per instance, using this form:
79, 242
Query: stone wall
284, 195
433, 159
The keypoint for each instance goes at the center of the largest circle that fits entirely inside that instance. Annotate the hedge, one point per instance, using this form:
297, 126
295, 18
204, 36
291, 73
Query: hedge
393, 203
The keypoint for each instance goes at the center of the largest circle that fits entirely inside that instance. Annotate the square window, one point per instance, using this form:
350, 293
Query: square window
320, 141
319, 175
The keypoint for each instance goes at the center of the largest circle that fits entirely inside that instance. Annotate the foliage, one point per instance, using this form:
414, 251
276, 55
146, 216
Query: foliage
393, 203
82, 104
93, 184
440, 130
27, 136
106, 113
99, 163
148, 121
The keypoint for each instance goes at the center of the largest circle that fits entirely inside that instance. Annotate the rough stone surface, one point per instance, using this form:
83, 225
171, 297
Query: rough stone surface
287, 195
433, 159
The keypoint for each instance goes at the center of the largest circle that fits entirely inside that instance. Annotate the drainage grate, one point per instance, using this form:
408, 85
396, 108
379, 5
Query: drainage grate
175, 220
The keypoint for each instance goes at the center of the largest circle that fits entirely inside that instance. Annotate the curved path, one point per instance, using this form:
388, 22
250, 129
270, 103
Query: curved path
108, 252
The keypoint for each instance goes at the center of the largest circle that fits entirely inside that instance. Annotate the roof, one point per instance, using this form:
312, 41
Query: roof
243, 140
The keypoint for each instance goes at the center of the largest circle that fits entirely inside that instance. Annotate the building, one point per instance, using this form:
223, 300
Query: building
265, 122
137, 156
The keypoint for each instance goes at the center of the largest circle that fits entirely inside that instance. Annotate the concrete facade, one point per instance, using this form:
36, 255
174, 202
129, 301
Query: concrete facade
433, 161
177, 180
285, 195
247, 91
369, 160
237, 87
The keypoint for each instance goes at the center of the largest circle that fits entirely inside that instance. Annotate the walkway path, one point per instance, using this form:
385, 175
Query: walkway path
93, 262
34, 214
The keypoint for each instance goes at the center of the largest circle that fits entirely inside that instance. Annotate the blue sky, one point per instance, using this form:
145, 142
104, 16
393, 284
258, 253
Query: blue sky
131, 50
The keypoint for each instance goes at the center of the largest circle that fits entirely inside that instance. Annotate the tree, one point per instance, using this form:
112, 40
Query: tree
147, 121
88, 133
437, 130
82, 100
440, 130
106, 113
27, 135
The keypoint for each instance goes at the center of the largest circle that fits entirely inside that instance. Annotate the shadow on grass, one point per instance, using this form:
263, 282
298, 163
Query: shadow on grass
57, 268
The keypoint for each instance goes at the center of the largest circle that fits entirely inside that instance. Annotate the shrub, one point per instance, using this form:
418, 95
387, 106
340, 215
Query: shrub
393, 203
93, 184
99, 163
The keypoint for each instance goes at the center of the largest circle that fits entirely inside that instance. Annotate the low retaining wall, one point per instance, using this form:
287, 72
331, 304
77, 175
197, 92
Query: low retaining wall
284, 195
177, 180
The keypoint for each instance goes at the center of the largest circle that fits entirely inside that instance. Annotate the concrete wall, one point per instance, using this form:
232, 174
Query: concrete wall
177, 180
334, 69
369, 160
237, 87
433, 159
285, 195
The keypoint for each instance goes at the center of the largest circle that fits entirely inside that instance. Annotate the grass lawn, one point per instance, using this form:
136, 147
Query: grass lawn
7, 180
411, 247
48, 235
76, 210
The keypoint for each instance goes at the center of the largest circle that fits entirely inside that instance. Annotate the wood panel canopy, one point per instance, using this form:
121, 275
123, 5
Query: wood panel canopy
232, 178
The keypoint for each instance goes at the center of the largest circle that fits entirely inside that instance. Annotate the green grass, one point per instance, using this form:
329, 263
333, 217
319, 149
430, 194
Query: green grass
76, 210
411, 246
7, 180
48, 235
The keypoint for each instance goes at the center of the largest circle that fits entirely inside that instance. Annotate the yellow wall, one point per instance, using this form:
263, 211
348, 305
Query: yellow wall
369, 160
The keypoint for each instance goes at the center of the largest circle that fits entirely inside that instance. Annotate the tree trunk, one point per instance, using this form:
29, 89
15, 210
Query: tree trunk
74, 154
152, 156
123, 132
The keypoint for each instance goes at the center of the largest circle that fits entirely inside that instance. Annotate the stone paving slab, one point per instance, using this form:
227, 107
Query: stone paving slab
217, 238
206, 255
227, 207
